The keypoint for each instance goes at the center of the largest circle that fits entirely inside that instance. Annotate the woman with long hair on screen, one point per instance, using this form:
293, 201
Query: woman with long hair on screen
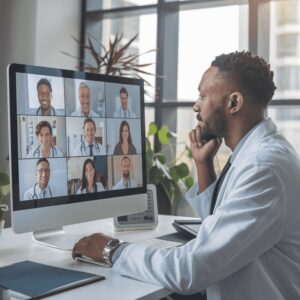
89, 184
124, 146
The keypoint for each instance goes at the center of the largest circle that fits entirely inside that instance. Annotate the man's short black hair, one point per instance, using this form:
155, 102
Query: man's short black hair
89, 120
41, 160
44, 81
250, 73
123, 91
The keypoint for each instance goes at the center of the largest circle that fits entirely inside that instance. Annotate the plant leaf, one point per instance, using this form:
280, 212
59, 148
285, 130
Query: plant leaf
152, 128
163, 135
174, 174
182, 170
189, 181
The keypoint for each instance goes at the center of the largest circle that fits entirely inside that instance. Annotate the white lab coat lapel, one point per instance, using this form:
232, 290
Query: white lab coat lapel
263, 130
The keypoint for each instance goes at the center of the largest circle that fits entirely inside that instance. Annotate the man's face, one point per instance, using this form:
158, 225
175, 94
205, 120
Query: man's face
44, 137
84, 97
210, 106
43, 174
44, 96
124, 100
89, 132
126, 168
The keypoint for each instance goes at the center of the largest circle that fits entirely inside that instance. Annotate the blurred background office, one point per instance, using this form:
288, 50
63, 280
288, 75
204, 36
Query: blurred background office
188, 35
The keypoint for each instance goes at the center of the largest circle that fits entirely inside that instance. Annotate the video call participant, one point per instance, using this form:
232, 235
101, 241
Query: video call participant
89, 146
125, 182
85, 102
124, 112
124, 146
45, 148
41, 188
44, 91
248, 245
88, 179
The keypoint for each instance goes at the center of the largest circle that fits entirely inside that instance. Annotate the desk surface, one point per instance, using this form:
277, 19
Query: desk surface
18, 247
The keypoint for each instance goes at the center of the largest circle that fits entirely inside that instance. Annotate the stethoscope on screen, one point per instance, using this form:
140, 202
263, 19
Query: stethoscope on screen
35, 196
127, 111
83, 148
37, 151
52, 111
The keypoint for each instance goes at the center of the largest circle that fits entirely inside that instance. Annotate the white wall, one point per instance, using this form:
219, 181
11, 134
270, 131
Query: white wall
35, 32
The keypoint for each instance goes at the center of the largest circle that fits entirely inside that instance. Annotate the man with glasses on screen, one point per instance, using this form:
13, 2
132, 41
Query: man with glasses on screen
248, 245
41, 188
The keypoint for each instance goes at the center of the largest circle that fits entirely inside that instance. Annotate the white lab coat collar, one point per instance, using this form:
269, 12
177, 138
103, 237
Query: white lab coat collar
250, 140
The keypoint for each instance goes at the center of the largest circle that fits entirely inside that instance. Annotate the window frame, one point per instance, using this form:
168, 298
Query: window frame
168, 16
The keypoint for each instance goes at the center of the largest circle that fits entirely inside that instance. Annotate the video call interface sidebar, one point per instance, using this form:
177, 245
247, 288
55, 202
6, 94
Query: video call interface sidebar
92, 130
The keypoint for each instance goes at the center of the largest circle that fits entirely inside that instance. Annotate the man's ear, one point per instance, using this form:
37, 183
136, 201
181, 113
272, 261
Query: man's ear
235, 103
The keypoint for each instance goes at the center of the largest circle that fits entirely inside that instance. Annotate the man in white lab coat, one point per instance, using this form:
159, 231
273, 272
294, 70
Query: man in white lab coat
248, 246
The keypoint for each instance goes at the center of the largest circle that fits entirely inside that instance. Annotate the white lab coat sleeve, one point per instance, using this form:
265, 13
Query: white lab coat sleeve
247, 223
200, 202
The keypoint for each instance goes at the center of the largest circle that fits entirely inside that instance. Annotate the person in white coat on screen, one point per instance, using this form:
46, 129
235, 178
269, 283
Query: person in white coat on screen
123, 111
85, 102
45, 147
88, 179
248, 246
125, 182
89, 145
41, 189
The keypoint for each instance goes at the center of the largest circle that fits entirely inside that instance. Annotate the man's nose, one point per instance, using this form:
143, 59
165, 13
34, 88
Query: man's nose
196, 107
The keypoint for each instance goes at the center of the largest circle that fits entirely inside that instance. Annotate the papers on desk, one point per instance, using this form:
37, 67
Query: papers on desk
31, 280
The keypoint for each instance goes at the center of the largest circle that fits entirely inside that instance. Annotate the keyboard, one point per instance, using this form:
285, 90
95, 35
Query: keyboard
159, 243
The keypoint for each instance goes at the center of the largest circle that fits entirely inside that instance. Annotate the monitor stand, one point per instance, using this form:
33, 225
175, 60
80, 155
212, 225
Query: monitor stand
56, 238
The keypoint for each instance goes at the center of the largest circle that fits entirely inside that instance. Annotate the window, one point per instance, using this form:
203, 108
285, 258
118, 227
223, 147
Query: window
198, 46
284, 56
188, 36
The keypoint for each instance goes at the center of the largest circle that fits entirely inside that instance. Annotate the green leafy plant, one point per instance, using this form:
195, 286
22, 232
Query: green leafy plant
4, 190
174, 177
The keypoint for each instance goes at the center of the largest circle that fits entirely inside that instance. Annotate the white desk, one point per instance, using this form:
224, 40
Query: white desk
18, 247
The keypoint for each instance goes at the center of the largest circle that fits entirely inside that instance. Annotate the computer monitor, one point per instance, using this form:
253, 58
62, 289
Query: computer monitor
77, 149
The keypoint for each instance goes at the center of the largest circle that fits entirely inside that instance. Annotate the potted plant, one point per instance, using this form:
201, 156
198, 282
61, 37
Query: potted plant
4, 190
115, 60
172, 178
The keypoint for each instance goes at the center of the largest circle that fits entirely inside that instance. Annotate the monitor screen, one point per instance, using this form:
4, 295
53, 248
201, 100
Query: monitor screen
76, 146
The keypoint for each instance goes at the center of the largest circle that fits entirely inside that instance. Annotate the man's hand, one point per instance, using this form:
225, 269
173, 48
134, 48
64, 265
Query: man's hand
203, 154
91, 246
203, 151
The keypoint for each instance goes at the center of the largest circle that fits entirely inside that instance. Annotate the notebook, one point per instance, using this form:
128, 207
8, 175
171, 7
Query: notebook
33, 280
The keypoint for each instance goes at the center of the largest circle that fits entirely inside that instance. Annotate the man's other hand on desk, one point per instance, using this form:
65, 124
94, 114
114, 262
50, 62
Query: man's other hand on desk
91, 246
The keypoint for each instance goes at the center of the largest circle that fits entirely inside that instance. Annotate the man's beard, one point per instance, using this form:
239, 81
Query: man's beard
126, 174
215, 126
